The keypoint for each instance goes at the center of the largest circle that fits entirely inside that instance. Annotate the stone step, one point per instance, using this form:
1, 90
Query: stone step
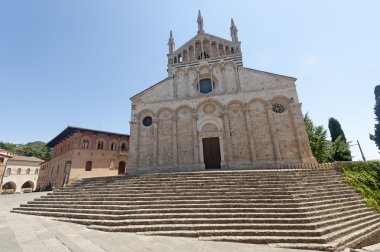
319, 215
251, 191
330, 220
185, 206
337, 234
184, 176
333, 228
148, 187
247, 238
267, 190
311, 211
238, 232
131, 202
257, 173
236, 226
232, 181
245, 175
171, 227
174, 197
352, 239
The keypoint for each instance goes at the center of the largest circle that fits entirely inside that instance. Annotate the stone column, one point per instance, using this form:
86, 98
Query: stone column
202, 46
155, 141
175, 143
133, 157
210, 69
198, 87
273, 132
224, 79
227, 134
186, 83
249, 132
195, 52
237, 78
174, 86
195, 137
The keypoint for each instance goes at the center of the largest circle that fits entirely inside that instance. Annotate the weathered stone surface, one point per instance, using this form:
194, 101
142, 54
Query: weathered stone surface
236, 108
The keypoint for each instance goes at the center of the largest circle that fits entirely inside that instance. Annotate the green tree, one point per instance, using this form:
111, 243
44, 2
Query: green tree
376, 136
340, 148
317, 137
336, 130
8, 146
36, 149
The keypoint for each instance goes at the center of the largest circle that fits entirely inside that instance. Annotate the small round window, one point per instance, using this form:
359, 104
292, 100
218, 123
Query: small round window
205, 86
278, 108
147, 121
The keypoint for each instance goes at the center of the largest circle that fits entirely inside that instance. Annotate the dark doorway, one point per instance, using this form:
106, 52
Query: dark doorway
122, 168
211, 152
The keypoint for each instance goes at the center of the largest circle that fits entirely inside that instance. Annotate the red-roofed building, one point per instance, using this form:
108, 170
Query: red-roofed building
84, 153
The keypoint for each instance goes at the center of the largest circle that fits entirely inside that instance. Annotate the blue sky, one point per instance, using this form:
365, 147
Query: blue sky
77, 62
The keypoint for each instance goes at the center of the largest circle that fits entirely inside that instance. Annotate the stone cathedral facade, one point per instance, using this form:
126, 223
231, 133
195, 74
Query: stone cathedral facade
211, 112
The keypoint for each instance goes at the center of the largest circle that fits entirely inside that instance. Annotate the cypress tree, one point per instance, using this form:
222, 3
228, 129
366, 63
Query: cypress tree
336, 130
340, 149
376, 136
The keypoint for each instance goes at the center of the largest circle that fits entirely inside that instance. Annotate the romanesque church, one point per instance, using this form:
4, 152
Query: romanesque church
211, 112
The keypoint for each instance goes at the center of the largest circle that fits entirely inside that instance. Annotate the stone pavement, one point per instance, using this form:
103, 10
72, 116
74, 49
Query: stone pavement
32, 233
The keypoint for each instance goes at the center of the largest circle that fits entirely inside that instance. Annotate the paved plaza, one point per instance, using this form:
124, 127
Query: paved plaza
32, 233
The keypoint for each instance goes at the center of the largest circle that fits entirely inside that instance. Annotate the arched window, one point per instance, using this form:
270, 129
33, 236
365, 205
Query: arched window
88, 166
28, 171
113, 146
85, 144
9, 171
36, 171
19, 171
123, 147
100, 145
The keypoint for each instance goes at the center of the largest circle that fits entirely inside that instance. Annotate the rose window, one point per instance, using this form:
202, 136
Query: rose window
278, 108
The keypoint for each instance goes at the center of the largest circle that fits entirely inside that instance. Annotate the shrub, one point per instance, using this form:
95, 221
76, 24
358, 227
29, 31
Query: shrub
365, 178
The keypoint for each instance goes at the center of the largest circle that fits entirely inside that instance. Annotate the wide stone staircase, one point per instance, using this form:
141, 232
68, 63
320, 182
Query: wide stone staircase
308, 209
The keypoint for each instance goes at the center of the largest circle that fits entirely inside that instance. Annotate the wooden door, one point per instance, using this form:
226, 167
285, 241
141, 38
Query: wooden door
121, 168
211, 152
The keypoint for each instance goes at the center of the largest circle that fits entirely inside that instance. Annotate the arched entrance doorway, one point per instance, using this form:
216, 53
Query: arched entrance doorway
27, 186
121, 168
210, 140
9, 187
211, 152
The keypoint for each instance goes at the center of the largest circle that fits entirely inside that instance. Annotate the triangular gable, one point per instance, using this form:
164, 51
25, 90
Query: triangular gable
150, 88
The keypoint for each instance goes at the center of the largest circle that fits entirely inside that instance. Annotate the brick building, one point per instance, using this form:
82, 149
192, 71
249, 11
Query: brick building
83, 153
